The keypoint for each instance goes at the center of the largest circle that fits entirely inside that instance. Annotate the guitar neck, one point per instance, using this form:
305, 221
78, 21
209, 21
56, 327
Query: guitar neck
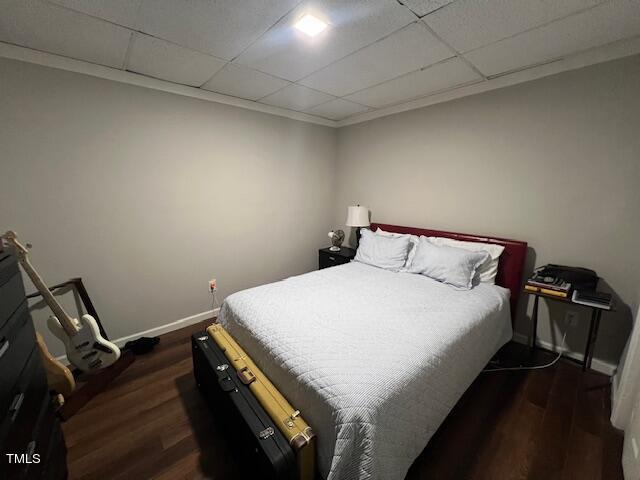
65, 320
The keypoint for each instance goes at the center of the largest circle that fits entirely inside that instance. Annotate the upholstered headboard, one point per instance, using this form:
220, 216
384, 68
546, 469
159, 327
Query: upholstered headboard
510, 265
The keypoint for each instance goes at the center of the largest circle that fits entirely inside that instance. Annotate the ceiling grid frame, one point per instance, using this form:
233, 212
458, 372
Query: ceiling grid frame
558, 63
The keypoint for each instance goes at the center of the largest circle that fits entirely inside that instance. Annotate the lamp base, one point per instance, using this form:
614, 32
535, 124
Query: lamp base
334, 249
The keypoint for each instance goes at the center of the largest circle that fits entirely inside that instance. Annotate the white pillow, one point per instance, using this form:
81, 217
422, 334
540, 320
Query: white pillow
487, 271
413, 243
451, 265
389, 253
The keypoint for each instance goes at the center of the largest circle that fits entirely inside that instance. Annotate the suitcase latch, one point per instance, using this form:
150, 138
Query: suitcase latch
266, 433
289, 421
246, 376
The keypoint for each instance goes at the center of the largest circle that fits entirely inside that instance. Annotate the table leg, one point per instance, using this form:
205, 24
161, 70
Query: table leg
591, 338
534, 322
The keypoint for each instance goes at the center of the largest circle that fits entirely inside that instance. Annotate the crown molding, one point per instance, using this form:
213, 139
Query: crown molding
611, 51
37, 57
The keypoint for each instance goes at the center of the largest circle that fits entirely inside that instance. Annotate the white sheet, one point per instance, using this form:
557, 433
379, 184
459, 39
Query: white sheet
373, 359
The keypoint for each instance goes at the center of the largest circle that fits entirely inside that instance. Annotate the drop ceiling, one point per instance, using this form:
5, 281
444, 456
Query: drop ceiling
375, 56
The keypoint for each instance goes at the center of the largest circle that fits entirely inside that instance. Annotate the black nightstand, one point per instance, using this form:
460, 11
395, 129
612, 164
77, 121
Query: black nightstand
327, 258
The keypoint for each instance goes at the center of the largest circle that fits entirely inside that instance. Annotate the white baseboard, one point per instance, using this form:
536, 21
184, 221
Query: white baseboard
162, 329
169, 327
597, 365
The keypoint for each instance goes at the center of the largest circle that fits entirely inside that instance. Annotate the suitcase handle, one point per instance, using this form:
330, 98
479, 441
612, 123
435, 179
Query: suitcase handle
4, 347
246, 376
15, 405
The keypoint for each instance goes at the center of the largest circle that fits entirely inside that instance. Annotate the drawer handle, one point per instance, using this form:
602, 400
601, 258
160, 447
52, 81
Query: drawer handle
15, 405
4, 347
31, 448
333, 259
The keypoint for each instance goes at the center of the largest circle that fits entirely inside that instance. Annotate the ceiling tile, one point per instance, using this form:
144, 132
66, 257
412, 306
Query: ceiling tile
243, 82
407, 50
444, 75
160, 59
41, 26
606, 23
223, 28
422, 7
288, 53
122, 12
469, 24
337, 109
296, 97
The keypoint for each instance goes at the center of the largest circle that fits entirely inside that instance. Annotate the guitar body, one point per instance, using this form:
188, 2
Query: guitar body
86, 349
59, 377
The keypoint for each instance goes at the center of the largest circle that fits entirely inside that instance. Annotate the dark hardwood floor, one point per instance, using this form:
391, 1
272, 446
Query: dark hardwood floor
542, 424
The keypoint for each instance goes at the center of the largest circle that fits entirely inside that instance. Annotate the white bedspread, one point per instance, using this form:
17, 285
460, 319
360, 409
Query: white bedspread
374, 360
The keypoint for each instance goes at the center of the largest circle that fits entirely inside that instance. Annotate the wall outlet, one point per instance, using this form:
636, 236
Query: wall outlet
571, 318
213, 285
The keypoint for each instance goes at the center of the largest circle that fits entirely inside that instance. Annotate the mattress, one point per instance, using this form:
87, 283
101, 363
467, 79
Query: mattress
374, 360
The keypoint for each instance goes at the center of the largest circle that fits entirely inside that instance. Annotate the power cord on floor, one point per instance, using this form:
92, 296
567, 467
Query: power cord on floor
536, 367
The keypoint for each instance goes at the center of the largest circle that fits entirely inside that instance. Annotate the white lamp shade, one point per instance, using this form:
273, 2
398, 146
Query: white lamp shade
357, 216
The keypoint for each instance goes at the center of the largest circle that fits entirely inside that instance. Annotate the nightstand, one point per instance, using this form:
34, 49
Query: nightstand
327, 258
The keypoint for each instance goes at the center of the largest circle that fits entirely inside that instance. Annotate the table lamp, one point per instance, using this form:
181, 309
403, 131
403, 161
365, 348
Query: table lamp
357, 216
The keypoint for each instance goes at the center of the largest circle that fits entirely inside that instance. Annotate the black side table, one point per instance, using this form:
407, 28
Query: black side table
329, 258
596, 314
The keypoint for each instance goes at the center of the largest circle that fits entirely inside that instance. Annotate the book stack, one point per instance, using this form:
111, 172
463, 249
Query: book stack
549, 286
591, 298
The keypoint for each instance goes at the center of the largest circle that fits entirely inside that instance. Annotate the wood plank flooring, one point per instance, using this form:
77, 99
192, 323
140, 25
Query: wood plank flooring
541, 424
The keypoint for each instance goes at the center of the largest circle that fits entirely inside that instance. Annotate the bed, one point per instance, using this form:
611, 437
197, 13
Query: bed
375, 360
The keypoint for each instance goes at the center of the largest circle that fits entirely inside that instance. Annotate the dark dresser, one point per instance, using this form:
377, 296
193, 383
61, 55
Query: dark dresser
31, 441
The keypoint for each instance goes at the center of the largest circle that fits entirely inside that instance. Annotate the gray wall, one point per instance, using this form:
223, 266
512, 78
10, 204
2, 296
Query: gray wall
555, 162
147, 195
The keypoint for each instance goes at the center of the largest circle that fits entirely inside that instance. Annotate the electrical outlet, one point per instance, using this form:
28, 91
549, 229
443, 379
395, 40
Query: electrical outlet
571, 318
213, 285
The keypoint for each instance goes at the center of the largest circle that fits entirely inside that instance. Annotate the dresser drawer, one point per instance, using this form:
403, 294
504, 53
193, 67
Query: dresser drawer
17, 341
20, 417
40, 442
12, 295
34, 442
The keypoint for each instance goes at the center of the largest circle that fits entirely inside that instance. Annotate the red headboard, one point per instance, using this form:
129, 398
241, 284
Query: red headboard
510, 265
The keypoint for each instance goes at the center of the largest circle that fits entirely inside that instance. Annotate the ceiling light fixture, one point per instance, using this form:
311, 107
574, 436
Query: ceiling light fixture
310, 25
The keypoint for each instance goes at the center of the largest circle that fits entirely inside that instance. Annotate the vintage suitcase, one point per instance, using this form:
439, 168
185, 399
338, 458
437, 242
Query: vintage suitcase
287, 419
262, 448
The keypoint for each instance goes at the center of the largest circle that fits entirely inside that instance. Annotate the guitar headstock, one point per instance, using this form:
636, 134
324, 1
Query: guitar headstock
12, 238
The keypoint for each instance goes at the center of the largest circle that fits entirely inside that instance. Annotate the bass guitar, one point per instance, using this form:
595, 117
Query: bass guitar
86, 348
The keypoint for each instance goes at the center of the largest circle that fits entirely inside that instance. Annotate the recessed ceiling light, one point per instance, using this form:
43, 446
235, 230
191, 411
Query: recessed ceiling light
310, 25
